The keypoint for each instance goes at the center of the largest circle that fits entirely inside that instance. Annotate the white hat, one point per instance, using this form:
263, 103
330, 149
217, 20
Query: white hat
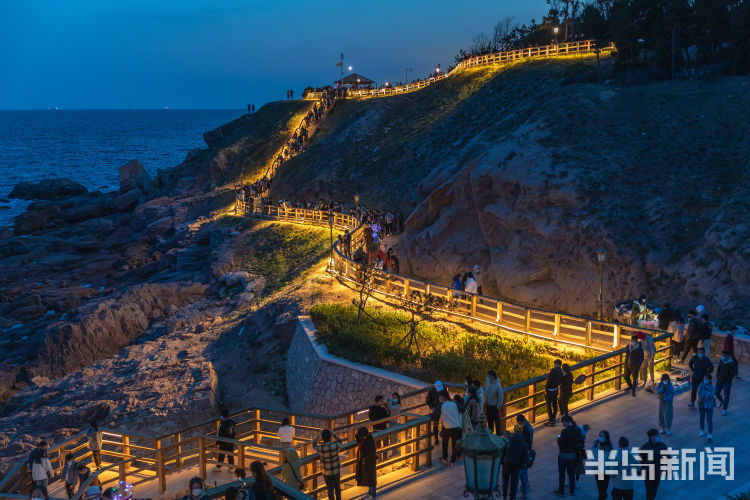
476, 266
438, 386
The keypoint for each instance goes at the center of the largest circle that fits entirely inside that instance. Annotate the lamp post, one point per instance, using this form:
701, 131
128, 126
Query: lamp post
601, 256
330, 225
556, 30
481, 461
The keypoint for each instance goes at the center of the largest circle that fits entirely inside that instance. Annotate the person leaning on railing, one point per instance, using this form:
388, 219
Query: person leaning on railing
328, 446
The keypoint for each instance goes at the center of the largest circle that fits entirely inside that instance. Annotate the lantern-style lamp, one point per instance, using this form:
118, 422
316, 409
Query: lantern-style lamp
481, 451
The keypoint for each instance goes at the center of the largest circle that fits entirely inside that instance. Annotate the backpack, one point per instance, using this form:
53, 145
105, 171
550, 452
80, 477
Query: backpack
532, 456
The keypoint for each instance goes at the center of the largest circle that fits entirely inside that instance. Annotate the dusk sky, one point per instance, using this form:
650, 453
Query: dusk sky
106, 54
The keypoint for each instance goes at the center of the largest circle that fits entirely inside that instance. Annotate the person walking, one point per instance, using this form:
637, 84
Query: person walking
70, 475
700, 366
516, 457
290, 471
725, 373
285, 434
226, 430
365, 473
604, 445
568, 443
665, 391
706, 405
493, 400
433, 402
328, 446
647, 367
677, 329
622, 482
693, 335
707, 329
633, 362
451, 419
94, 436
42, 471
551, 391
566, 389
652, 462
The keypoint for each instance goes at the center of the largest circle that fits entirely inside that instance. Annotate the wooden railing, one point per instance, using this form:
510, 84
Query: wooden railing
504, 57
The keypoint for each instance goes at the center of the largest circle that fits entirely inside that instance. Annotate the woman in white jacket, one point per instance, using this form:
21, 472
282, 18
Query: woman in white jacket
677, 329
41, 470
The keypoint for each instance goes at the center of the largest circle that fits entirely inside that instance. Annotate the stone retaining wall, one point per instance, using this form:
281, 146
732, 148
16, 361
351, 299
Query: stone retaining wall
741, 346
319, 382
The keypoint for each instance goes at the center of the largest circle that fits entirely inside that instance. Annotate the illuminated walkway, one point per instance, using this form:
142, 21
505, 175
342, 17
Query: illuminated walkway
621, 415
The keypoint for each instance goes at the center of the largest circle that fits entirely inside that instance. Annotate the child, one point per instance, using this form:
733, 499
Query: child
70, 475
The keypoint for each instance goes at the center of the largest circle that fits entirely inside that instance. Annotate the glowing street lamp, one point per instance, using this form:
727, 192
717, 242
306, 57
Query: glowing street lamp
556, 30
601, 256
481, 451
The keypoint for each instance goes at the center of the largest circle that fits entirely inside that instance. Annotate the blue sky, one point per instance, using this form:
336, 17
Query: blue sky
108, 54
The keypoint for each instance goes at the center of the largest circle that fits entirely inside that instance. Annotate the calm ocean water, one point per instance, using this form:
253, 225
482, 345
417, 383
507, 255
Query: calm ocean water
89, 146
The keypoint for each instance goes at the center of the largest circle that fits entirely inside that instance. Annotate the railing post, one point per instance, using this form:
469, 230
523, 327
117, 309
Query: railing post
592, 371
616, 339
528, 320
126, 449
178, 441
202, 456
406, 288
503, 412
668, 352
588, 333
499, 313
473, 305
417, 448
161, 471
532, 411
556, 331
428, 436
618, 372
241, 457
257, 427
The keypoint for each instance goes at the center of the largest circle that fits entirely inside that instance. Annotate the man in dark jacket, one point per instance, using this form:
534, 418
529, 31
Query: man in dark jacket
725, 373
366, 473
700, 366
664, 316
433, 403
552, 387
569, 442
652, 465
378, 411
633, 361
693, 335
516, 457
226, 430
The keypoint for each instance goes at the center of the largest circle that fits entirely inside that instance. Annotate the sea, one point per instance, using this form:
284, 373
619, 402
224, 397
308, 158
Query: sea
89, 146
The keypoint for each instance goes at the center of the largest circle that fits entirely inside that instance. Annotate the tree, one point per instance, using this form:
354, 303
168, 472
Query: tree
502, 30
365, 273
418, 305
594, 26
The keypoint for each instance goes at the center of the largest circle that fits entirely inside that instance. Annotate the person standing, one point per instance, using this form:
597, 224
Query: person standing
473, 409
692, 335
515, 458
706, 405
480, 392
664, 317
649, 353
633, 362
652, 464
94, 436
568, 443
290, 471
451, 418
263, 486
622, 485
551, 391
433, 402
725, 373
331, 461
70, 475
41, 447
226, 430
285, 434
602, 444
665, 390
379, 411
566, 389
41, 470
700, 366
478, 278
365, 474
528, 435
677, 329
707, 329
493, 400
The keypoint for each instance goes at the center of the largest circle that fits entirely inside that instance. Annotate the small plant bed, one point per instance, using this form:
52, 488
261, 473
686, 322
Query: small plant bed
449, 353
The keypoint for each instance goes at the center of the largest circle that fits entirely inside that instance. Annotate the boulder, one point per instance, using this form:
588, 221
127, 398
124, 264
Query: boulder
47, 189
31, 221
134, 176
127, 202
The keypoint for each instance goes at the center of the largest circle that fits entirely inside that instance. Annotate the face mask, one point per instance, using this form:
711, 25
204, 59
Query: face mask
197, 492
700, 355
601, 439
706, 381
657, 439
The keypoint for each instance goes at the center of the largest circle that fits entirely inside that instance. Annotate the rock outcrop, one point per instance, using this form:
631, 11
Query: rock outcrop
47, 189
134, 176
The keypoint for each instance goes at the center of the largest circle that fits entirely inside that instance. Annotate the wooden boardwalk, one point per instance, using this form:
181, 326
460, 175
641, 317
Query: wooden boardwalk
621, 415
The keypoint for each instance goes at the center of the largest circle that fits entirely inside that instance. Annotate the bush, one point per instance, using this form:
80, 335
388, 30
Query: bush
456, 353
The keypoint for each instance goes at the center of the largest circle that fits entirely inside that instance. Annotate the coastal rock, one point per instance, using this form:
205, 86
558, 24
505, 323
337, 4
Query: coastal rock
133, 176
128, 201
47, 189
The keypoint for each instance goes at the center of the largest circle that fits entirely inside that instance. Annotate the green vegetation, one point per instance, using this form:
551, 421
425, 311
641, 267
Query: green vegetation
281, 252
457, 352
